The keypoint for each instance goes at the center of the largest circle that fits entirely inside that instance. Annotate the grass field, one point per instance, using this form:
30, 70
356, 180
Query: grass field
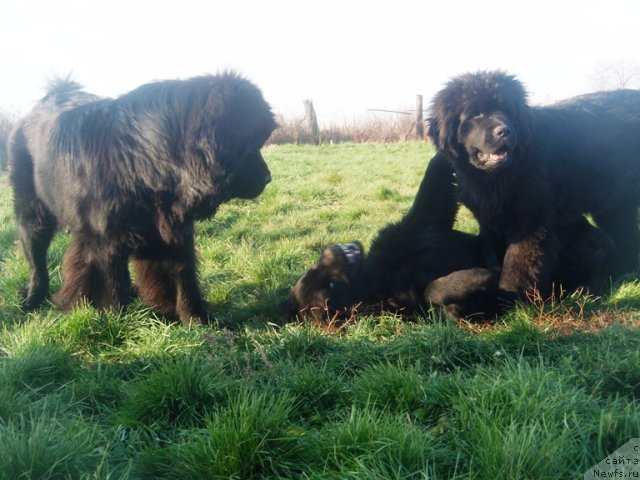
545, 393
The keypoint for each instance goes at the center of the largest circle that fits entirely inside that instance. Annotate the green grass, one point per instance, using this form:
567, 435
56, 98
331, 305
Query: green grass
544, 393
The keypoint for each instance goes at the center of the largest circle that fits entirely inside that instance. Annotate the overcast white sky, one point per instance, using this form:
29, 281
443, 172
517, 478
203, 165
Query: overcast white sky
346, 55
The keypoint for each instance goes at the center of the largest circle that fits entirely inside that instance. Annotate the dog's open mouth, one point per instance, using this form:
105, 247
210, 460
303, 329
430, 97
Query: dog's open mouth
494, 159
352, 251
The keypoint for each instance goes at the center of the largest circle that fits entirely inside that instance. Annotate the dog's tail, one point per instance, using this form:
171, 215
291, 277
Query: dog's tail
62, 86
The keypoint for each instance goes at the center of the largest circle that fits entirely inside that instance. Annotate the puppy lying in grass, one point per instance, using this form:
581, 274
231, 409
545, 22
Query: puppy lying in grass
342, 283
411, 269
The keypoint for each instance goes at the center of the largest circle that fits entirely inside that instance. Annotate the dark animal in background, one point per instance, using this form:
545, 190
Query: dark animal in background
128, 177
529, 174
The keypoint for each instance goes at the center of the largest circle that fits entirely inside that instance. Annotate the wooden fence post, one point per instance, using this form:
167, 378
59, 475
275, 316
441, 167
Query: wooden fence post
312, 121
419, 117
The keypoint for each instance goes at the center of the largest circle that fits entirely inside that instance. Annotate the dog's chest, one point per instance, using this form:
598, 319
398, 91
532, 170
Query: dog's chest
492, 204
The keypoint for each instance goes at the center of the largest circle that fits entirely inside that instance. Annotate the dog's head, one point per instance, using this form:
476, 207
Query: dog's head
336, 284
481, 119
228, 129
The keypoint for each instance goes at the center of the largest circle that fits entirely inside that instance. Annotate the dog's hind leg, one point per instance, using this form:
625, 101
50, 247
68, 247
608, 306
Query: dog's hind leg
35, 230
36, 224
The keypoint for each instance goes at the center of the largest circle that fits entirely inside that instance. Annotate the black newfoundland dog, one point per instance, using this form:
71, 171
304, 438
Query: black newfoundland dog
411, 268
129, 177
442, 269
530, 174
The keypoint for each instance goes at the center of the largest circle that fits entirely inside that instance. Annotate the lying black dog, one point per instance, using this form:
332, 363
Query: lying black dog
341, 283
410, 270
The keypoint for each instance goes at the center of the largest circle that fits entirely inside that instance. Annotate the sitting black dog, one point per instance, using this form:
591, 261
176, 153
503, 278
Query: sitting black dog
410, 269
528, 173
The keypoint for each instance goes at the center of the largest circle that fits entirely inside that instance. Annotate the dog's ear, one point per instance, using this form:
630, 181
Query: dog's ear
434, 132
443, 127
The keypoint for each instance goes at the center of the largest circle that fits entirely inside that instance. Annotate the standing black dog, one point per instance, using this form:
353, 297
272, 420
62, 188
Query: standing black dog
129, 177
528, 173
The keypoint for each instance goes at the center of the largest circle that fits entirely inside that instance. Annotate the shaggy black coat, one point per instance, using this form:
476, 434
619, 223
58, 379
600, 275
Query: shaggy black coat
411, 268
407, 272
128, 177
530, 174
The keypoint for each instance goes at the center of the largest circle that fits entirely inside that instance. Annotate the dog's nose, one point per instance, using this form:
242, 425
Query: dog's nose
501, 131
267, 178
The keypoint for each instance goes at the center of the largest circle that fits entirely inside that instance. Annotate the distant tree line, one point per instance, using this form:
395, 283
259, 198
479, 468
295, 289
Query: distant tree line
611, 76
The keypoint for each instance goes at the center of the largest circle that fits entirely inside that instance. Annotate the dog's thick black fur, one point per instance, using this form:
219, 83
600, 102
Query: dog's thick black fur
414, 268
530, 174
411, 268
128, 177
430, 268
